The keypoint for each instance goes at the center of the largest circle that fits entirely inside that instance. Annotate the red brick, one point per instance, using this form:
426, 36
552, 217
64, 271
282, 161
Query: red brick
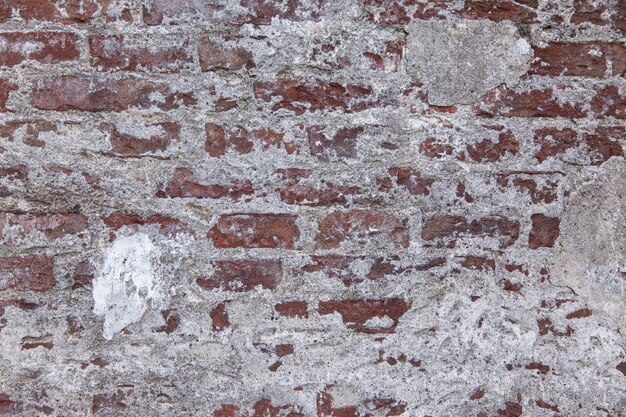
43, 47
214, 56
490, 151
297, 190
226, 410
579, 314
503, 101
264, 407
243, 275
182, 185
498, 10
54, 226
29, 273
544, 232
219, 317
172, 321
255, 230
293, 309
478, 263
361, 227
605, 143
6, 86
589, 11
542, 404
94, 94
215, 144
385, 266
125, 144
342, 145
546, 194
302, 96
447, 229
554, 141
344, 267
586, 59
167, 225
9, 406
112, 401
83, 275
220, 140
55, 11
115, 52
433, 149
606, 101
336, 267
356, 313
16, 172
400, 12
408, 178
511, 409
30, 130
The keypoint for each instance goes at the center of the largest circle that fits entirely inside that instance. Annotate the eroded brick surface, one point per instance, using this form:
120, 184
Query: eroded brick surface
312, 208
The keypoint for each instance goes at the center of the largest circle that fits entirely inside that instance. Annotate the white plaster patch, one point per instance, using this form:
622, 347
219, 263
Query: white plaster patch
128, 283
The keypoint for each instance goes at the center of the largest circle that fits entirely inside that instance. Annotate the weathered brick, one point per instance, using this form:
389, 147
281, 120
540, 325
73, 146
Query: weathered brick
219, 317
364, 316
554, 141
293, 309
6, 86
604, 143
490, 151
220, 140
409, 179
243, 275
434, 149
362, 227
316, 95
30, 130
126, 144
83, 275
255, 230
43, 47
498, 10
71, 92
9, 406
53, 226
304, 195
16, 172
400, 12
167, 225
183, 185
480, 263
447, 229
214, 56
116, 52
342, 145
28, 273
62, 12
606, 101
544, 232
586, 59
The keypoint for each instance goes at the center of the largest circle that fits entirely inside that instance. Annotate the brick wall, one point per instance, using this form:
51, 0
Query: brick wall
321, 208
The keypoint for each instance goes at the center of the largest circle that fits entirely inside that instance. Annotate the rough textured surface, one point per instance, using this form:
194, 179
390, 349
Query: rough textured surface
460, 61
347, 208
